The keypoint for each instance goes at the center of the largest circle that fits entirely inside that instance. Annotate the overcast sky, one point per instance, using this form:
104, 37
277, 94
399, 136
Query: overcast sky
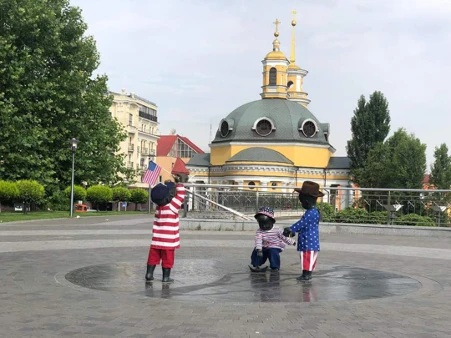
199, 60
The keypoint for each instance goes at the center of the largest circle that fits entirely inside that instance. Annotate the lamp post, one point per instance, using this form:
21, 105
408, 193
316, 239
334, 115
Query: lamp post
74, 143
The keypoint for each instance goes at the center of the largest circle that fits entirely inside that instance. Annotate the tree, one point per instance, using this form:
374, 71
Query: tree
79, 193
400, 162
121, 194
49, 94
8, 191
138, 196
30, 191
441, 168
370, 126
99, 194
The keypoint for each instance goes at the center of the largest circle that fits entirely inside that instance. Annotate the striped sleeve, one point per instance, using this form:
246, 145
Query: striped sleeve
287, 240
176, 202
258, 240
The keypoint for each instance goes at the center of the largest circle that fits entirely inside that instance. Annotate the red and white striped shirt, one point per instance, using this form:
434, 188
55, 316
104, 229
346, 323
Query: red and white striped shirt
273, 238
165, 231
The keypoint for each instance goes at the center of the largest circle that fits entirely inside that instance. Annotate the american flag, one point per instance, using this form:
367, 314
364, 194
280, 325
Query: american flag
152, 173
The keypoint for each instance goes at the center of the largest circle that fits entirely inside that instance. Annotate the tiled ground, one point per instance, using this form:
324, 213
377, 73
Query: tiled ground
37, 301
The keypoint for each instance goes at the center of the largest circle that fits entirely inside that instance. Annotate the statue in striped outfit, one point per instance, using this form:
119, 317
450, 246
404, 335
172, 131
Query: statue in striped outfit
269, 242
165, 232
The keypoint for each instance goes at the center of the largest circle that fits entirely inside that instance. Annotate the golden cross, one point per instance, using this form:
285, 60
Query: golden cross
277, 22
294, 15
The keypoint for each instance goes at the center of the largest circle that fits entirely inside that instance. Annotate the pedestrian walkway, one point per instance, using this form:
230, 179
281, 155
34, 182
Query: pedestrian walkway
85, 278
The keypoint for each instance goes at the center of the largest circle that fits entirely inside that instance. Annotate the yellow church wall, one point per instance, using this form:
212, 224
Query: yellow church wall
302, 156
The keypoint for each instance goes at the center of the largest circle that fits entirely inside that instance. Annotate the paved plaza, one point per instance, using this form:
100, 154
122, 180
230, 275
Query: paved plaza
85, 278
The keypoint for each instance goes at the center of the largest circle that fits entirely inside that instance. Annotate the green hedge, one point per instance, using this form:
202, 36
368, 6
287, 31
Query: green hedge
362, 216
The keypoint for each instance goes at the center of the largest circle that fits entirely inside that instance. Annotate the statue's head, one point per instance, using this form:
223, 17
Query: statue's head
309, 194
162, 194
265, 218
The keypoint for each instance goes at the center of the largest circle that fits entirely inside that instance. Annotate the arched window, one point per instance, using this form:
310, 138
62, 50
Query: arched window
273, 76
289, 84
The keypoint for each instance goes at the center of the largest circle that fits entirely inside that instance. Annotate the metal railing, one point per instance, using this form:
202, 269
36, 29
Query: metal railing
339, 204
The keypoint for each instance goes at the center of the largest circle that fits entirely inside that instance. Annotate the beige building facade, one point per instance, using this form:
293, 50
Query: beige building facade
139, 119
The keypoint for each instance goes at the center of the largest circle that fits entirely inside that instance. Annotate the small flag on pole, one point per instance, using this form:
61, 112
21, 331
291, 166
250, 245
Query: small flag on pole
152, 173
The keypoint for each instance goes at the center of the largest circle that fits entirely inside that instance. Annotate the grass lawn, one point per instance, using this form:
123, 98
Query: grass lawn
37, 215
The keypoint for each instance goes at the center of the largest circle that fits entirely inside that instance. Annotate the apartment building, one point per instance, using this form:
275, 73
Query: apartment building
139, 118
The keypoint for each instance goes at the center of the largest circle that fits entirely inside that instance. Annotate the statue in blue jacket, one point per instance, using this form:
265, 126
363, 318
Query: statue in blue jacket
308, 228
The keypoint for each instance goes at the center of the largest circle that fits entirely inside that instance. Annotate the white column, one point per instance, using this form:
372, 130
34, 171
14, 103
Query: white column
264, 185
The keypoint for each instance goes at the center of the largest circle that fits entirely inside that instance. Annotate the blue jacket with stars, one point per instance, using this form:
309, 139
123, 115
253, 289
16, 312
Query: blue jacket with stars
308, 228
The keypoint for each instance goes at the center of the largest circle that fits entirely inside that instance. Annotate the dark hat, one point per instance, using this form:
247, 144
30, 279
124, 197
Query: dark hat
159, 193
266, 211
309, 188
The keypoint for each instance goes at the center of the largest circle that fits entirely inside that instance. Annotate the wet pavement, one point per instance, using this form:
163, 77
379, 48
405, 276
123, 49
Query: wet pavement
205, 281
86, 279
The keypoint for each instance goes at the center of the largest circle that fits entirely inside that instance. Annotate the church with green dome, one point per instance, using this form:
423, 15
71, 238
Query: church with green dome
274, 142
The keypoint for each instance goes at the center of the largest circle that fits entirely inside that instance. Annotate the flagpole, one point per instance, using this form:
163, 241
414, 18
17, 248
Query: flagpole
148, 200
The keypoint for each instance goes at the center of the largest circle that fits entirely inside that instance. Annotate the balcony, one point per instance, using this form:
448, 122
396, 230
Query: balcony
152, 152
144, 151
148, 116
131, 148
129, 165
131, 129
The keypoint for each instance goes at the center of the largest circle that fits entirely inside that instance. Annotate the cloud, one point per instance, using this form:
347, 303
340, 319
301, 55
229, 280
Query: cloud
200, 60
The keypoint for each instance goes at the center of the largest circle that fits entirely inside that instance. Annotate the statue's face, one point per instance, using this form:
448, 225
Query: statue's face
307, 202
264, 222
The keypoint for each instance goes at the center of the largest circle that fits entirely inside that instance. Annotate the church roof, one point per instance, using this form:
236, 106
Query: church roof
200, 160
287, 118
258, 154
339, 163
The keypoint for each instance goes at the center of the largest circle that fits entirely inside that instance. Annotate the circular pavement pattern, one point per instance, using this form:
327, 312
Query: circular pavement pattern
206, 280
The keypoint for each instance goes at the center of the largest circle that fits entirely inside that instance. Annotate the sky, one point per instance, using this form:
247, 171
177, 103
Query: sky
199, 60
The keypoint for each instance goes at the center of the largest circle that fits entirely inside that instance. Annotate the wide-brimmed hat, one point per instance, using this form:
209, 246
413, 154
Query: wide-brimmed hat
266, 211
309, 188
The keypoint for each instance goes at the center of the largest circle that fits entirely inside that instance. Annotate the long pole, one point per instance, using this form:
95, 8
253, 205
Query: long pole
72, 185
148, 201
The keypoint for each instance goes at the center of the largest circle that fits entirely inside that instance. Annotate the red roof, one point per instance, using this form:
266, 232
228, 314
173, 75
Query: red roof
426, 179
179, 167
165, 143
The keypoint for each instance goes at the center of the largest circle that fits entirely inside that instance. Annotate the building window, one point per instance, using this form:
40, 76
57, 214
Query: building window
309, 128
274, 185
273, 76
289, 84
251, 185
160, 179
263, 126
184, 150
130, 119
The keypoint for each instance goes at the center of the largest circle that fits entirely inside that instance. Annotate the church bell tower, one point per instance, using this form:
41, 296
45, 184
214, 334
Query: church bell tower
275, 65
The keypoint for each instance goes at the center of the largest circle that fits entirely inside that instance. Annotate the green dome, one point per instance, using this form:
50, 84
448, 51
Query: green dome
258, 154
272, 120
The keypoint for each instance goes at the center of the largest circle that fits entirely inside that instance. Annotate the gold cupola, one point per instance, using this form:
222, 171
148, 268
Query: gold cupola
295, 73
275, 65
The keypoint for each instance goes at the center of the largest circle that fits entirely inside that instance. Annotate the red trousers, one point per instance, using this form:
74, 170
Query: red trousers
308, 260
157, 255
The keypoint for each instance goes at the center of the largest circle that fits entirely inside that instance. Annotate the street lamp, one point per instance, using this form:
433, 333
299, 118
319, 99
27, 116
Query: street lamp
74, 143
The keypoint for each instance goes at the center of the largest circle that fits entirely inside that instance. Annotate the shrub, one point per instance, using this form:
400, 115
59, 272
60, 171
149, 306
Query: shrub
327, 212
416, 220
99, 194
121, 194
8, 191
80, 193
351, 215
30, 192
138, 196
377, 217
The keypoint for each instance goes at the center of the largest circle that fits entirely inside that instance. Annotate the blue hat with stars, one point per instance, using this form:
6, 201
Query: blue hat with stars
266, 211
